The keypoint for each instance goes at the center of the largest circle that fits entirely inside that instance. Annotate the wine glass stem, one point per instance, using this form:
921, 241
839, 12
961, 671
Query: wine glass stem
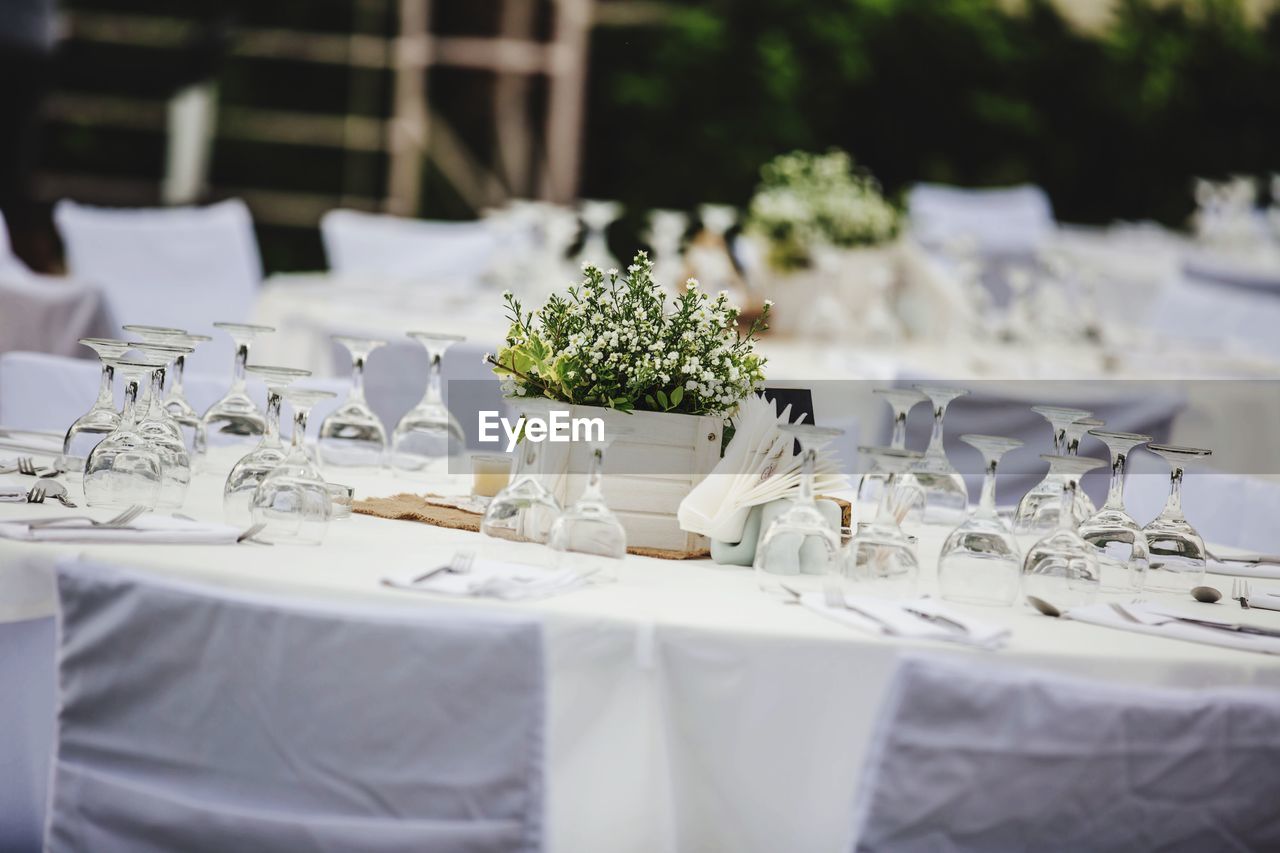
1115, 490
357, 376
157, 387
179, 368
806, 476
271, 436
935, 439
899, 440
433, 377
1059, 440
105, 387
242, 359
300, 425
884, 510
594, 490
987, 503
1173, 506
129, 415
1067, 511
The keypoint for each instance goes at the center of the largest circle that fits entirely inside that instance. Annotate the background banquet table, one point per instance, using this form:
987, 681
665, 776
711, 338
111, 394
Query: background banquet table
687, 710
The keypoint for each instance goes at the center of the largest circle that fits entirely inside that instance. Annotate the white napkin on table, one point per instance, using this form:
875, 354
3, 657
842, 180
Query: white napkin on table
1155, 619
491, 579
905, 624
11, 494
1244, 570
149, 529
1264, 599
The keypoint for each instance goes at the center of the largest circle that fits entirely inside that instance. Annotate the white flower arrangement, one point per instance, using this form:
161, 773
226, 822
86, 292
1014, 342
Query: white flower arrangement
618, 341
805, 200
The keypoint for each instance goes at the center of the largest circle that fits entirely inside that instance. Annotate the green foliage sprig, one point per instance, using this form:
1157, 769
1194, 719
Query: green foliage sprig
619, 341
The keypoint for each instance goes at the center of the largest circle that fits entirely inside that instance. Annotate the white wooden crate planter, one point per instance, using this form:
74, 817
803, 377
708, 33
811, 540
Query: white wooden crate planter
647, 473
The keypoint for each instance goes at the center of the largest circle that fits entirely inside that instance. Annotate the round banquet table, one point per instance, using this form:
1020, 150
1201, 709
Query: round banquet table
687, 710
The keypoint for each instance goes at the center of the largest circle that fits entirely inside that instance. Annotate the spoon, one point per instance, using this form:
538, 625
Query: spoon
1043, 606
1207, 594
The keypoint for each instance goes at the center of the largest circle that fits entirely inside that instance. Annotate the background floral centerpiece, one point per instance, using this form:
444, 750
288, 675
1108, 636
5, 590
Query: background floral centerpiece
619, 341
805, 201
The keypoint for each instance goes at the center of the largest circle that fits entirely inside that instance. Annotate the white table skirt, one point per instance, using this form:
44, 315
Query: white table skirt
688, 711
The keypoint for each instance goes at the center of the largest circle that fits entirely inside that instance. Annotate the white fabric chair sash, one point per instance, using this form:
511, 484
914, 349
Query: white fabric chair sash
398, 249
1004, 221
198, 719
971, 757
184, 266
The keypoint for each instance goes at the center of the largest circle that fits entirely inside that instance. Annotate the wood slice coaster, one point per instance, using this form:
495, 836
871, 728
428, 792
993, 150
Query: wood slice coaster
410, 507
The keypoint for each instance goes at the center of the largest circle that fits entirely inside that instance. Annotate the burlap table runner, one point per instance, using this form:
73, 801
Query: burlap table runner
410, 507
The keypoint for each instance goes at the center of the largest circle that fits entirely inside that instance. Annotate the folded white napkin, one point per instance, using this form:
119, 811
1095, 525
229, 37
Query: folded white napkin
1264, 600
1157, 619
149, 529
1244, 570
491, 579
11, 494
899, 622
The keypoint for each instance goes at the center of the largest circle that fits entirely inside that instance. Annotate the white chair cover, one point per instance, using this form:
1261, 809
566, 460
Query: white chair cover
49, 314
1005, 221
184, 266
197, 719
972, 757
410, 250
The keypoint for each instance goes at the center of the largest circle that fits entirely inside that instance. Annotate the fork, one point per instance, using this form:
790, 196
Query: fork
459, 564
123, 519
251, 534
1240, 592
833, 597
26, 465
36, 495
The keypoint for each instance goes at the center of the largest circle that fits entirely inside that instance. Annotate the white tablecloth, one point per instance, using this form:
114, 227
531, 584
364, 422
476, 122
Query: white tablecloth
688, 711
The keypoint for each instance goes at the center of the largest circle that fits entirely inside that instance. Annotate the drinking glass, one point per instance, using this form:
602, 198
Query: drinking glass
1177, 553
1075, 432
943, 491
158, 426
779, 561
236, 417
901, 401
666, 231
1118, 539
253, 467
1062, 568
102, 419
1038, 510
175, 401
293, 500
124, 469
588, 537
521, 514
981, 561
353, 434
880, 551
428, 432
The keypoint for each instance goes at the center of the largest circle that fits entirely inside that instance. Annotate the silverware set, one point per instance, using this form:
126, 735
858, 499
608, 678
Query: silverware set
1240, 592
1233, 627
459, 564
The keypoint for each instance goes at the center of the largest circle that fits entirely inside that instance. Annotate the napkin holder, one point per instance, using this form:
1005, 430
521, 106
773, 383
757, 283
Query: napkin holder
809, 558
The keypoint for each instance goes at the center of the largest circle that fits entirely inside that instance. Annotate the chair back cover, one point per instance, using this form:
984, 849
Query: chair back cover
184, 266
969, 756
1006, 221
398, 249
197, 719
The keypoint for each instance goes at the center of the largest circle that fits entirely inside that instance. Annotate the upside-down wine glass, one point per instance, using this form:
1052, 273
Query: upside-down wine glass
880, 551
254, 466
1038, 510
175, 401
981, 561
597, 216
944, 495
1121, 545
352, 434
236, 417
871, 485
293, 500
101, 420
800, 550
588, 537
158, 426
428, 432
1177, 552
1062, 568
124, 469
518, 519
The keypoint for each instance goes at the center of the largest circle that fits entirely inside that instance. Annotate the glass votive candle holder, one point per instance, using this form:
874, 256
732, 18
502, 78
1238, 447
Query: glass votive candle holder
490, 474
342, 496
